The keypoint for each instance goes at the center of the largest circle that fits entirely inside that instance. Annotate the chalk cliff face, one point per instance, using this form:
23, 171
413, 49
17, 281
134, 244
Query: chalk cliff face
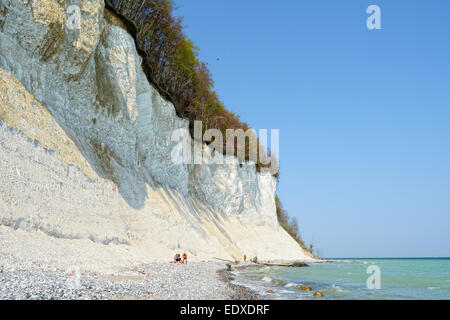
85, 149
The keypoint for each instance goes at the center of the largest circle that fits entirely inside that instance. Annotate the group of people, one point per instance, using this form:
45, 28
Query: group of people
183, 259
179, 259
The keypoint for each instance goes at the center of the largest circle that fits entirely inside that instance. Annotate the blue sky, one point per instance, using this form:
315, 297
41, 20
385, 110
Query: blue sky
364, 115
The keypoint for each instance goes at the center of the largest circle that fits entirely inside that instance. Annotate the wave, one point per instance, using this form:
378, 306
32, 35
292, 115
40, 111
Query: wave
290, 285
339, 289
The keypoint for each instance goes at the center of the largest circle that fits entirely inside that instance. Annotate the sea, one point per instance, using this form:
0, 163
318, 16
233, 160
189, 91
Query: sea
352, 279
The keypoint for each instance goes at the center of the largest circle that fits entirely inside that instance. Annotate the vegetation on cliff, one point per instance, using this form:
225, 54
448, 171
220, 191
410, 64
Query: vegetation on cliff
170, 61
290, 224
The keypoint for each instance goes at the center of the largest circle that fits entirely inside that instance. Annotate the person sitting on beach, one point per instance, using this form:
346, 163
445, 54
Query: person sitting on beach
177, 258
229, 267
185, 258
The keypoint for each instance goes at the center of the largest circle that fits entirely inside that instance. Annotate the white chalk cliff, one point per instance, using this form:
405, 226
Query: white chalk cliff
85, 153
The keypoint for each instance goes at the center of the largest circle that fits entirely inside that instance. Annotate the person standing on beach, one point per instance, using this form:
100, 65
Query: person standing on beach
185, 258
245, 258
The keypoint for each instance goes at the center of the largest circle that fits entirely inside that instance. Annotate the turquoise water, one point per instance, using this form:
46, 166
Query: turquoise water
425, 278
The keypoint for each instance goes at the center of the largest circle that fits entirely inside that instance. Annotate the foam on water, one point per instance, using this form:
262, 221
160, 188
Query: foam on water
290, 285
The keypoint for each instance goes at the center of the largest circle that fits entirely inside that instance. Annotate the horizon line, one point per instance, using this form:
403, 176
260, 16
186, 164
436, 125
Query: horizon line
386, 257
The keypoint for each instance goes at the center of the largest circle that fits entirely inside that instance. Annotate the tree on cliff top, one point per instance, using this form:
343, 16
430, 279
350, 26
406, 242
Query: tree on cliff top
290, 224
170, 61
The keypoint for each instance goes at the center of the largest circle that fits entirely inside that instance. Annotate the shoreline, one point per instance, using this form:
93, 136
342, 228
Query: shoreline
167, 281
250, 293
240, 292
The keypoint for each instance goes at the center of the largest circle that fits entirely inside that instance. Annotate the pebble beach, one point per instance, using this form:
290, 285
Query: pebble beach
194, 281
38, 267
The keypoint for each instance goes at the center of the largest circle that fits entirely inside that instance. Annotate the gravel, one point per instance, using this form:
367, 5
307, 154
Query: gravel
197, 281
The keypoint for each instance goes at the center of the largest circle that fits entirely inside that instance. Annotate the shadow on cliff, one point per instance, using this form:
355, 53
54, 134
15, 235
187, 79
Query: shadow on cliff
131, 185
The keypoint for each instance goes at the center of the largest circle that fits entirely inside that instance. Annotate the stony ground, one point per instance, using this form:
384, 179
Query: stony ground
35, 266
197, 281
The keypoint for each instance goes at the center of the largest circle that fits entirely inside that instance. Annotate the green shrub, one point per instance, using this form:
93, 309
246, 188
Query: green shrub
290, 224
170, 62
